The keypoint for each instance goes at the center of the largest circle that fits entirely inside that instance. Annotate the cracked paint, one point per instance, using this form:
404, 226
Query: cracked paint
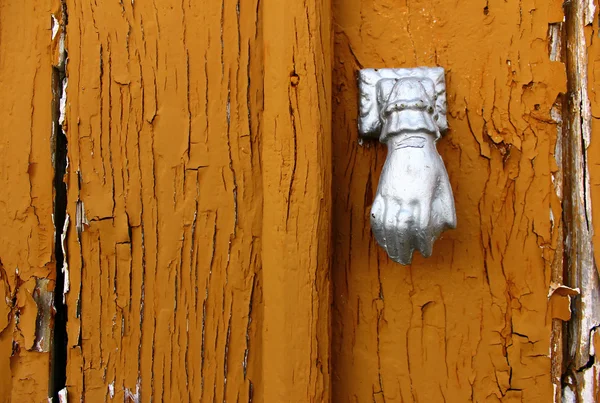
199, 180
181, 249
472, 322
65, 265
27, 266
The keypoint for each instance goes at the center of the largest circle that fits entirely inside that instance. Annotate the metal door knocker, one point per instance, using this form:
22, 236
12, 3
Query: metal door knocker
406, 109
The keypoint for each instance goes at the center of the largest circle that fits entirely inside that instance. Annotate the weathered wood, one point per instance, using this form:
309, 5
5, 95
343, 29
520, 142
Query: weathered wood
27, 267
296, 166
198, 234
198, 245
581, 381
472, 322
165, 200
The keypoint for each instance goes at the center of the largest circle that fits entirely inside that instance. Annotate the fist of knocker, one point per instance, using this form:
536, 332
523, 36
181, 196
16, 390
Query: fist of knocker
414, 201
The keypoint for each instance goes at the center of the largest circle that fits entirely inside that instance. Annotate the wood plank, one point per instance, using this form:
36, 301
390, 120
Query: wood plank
163, 117
27, 266
195, 274
581, 381
472, 322
296, 162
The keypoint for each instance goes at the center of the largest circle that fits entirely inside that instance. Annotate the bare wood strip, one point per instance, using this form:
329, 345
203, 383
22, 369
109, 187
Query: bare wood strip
580, 380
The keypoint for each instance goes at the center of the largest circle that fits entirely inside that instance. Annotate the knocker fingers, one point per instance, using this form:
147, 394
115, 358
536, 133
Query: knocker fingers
443, 204
401, 221
391, 234
377, 217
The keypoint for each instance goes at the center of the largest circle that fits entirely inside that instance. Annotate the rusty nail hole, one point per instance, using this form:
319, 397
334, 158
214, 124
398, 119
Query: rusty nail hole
537, 107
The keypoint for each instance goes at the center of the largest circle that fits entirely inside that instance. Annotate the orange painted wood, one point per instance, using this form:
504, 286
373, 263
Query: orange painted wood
27, 266
219, 246
296, 166
199, 177
472, 322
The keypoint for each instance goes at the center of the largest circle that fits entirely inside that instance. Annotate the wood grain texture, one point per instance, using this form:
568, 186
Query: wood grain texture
198, 249
472, 322
204, 184
583, 376
296, 156
27, 267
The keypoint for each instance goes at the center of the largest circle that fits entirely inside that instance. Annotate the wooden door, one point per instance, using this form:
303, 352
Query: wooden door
479, 320
185, 204
192, 254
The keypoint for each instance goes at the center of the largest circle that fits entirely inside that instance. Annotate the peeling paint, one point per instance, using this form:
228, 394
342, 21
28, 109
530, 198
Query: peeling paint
180, 150
55, 26
569, 395
65, 266
173, 187
559, 298
26, 236
472, 322
63, 103
43, 296
589, 13
62, 396
81, 221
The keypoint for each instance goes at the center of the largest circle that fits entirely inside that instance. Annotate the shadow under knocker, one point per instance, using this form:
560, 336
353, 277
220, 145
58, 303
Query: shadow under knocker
406, 110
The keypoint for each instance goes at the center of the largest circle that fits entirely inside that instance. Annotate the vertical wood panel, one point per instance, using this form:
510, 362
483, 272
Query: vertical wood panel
584, 341
163, 103
296, 156
472, 322
26, 231
186, 283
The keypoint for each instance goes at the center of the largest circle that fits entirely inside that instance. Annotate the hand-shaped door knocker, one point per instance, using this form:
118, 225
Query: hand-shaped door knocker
406, 109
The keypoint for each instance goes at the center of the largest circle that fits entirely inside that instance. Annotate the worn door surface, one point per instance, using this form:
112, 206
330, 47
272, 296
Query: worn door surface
184, 214
474, 322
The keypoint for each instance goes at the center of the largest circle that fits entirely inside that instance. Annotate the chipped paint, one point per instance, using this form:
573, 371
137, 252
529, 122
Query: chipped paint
559, 299
81, 221
181, 246
133, 397
43, 296
198, 267
26, 236
470, 323
65, 265
55, 26
62, 396
589, 14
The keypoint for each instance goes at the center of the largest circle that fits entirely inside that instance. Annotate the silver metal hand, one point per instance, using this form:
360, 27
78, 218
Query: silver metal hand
405, 108
414, 201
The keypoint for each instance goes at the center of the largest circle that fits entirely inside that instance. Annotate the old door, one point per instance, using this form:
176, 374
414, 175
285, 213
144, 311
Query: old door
479, 320
184, 214
190, 142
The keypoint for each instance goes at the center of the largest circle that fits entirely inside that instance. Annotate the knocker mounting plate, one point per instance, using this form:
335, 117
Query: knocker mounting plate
406, 109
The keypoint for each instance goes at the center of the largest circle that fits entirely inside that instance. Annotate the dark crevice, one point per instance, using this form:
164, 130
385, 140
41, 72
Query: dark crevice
58, 366
584, 172
589, 364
